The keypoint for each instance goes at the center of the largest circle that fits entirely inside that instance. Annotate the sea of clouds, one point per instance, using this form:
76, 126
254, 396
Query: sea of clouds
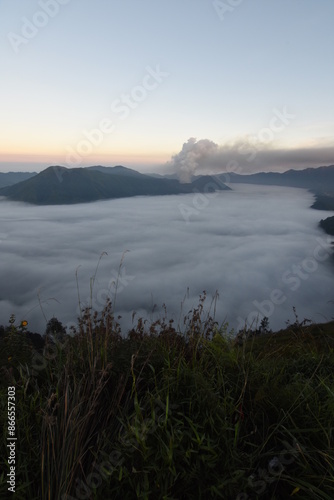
260, 247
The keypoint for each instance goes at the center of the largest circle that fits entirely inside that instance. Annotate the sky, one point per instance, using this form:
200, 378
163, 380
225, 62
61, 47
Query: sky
259, 247
125, 82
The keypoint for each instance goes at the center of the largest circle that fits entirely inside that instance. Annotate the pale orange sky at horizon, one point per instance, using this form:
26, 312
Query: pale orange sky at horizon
73, 83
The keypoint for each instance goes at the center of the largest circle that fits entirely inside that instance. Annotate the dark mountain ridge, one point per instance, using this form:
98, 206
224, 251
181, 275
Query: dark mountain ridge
117, 170
319, 179
58, 185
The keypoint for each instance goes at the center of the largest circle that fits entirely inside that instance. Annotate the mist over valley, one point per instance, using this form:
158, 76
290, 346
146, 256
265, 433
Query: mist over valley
260, 247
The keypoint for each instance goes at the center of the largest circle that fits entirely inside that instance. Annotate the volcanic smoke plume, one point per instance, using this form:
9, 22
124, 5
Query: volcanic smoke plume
192, 157
246, 155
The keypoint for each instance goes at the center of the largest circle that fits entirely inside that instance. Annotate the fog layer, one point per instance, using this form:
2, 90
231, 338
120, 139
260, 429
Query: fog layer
260, 247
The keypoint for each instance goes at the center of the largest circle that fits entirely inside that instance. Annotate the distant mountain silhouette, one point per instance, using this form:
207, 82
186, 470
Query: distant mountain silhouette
58, 185
10, 178
319, 180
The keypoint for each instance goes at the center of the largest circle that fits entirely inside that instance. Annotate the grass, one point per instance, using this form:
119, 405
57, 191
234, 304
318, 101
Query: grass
168, 414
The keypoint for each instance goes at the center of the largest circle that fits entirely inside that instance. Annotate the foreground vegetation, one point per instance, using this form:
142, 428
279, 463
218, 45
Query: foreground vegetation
170, 413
